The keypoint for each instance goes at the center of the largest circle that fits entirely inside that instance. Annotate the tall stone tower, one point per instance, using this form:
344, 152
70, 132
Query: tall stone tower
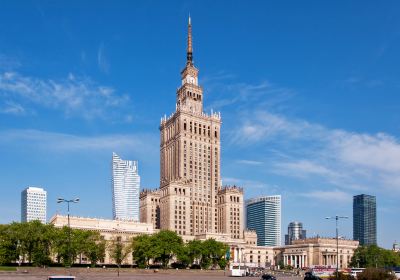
190, 159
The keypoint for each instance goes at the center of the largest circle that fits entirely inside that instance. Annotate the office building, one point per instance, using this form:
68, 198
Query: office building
295, 232
364, 219
33, 204
125, 184
264, 216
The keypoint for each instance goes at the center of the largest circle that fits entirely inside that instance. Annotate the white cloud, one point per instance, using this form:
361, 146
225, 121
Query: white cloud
62, 142
224, 94
249, 162
251, 184
12, 108
102, 62
304, 168
346, 160
329, 196
73, 95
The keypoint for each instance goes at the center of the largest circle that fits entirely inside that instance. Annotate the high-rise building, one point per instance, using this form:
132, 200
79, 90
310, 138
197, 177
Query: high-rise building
364, 219
125, 184
295, 232
33, 204
263, 214
190, 158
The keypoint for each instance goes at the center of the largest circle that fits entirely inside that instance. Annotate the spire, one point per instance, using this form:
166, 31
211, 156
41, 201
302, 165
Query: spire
189, 55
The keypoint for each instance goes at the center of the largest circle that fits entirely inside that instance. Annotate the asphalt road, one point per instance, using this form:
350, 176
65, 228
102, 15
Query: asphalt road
98, 274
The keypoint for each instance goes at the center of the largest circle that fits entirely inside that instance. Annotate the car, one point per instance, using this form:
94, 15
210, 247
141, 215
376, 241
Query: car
268, 277
310, 276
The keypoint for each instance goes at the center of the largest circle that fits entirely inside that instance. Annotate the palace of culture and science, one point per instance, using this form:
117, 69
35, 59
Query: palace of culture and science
191, 200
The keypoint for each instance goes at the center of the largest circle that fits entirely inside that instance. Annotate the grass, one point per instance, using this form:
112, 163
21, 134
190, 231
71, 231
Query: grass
8, 268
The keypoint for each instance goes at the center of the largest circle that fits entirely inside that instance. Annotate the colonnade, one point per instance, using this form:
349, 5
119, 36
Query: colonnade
329, 259
295, 260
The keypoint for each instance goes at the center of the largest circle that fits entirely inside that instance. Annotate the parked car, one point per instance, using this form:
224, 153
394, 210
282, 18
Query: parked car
268, 277
310, 276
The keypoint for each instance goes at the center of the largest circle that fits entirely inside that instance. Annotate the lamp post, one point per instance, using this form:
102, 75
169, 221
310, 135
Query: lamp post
68, 201
337, 240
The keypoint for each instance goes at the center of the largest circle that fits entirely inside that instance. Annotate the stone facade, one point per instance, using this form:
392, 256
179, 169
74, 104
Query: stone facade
190, 161
150, 207
109, 230
316, 251
230, 211
302, 253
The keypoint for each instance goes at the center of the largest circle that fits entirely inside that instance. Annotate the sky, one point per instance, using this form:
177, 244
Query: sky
308, 92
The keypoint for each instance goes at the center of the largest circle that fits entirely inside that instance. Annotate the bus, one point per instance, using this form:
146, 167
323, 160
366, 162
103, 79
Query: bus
237, 270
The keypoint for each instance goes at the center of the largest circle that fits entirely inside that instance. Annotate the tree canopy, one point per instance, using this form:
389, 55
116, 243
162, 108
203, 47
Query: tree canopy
374, 256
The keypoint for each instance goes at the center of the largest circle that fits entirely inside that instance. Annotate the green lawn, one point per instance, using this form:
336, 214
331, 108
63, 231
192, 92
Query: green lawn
8, 268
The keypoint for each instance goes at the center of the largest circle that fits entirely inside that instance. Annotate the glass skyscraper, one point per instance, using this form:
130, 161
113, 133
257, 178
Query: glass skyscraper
263, 214
295, 232
33, 204
364, 219
125, 189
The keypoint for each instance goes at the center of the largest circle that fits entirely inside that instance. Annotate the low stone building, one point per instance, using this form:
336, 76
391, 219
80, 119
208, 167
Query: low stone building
316, 251
109, 229
244, 251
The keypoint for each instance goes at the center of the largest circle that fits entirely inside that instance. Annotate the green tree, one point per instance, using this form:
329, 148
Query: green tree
119, 251
166, 245
341, 276
142, 249
34, 241
194, 249
375, 274
63, 246
213, 251
9, 244
374, 256
94, 247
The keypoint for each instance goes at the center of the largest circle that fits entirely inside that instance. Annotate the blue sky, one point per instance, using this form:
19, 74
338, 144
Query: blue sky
308, 92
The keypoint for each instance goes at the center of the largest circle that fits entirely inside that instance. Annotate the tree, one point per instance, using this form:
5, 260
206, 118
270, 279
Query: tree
166, 245
374, 256
374, 274
94, 247
9, 244
194, 250
119, 251
63, 246
341, 276
213, 252
142, 249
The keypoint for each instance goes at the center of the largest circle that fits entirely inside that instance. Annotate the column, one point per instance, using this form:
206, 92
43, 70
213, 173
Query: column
284, 259
235, 253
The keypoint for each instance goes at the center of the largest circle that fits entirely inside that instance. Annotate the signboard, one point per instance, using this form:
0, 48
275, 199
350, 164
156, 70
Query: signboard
323, 270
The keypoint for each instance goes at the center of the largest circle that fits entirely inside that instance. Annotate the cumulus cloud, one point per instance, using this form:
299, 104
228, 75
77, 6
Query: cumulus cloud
341, 159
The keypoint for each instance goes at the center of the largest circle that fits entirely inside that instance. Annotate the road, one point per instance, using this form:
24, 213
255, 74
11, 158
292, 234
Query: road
126, 274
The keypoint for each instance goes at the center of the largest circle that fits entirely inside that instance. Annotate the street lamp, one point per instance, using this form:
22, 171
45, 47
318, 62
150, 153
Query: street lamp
337, 241
68, 201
